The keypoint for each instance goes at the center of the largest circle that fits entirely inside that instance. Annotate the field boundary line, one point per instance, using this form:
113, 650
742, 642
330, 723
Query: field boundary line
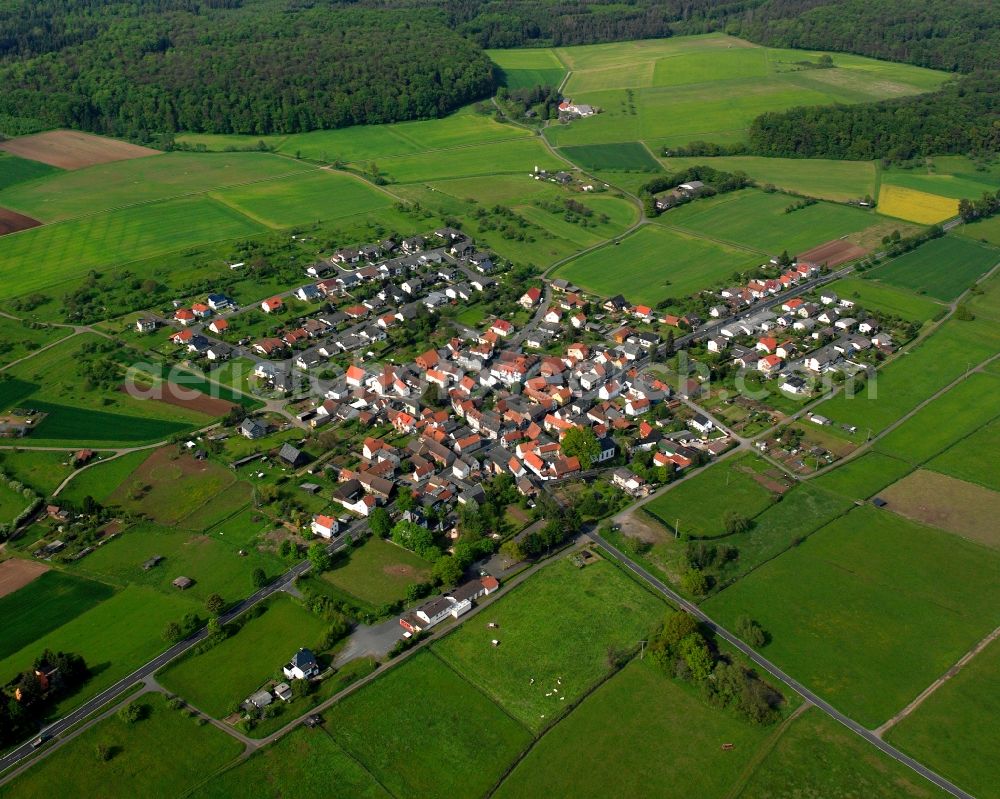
363, 766
537, 739
764, 750
725, 242
930, 689
479, 689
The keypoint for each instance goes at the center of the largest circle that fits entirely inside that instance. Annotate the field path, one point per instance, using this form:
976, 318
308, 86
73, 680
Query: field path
959, 665
764, 751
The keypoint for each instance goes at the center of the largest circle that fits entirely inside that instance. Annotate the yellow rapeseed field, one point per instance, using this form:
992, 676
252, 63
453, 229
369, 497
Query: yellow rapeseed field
915, 206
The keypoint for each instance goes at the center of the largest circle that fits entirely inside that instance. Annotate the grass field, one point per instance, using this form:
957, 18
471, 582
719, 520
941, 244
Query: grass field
952, 177
169, 485
47, 257
114, 638
863, 627
655, 263
404, 728
302, 763
11, 503
521, 69
221, 507
946, 420
818, 758
378, 572
903, 384
947, 503
954, 730
756, 219
862, 477
915, 206
19, 340
816, 177
64, 195
101, 480
47, 602
211, 559
145, 757
973, 458
942, 268
243, 662
624, 156
556, 629
14, 170
985, 230
65, 423
877, 296
304, 198
695, 504
40, 469
658, 738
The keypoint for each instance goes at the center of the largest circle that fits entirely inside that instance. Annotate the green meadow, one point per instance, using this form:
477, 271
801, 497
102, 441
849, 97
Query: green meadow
973, 458
405, 728
378, 572
877, 296
655, 263
624, 156
46, 257
554, 633
141, 180
862, 626
756, 219
864, 476
100, 481
942, 268
14, 170
528, 67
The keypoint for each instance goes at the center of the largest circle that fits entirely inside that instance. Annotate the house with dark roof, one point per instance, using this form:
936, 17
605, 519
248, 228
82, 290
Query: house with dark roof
302, 666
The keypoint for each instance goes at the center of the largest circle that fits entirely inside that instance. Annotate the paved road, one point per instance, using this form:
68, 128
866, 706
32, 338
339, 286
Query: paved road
109, 694
768, 666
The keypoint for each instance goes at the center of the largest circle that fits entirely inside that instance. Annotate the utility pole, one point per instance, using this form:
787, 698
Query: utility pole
642, 649
677, 529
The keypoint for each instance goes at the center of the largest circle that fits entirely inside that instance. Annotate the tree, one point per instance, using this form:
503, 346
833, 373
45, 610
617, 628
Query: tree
750, 631
319, 557
214, 604
380, 522
694, 652
405, 500
582, 443
695, 582
737, 523
172, 633
104, 753
132, 713
447, 571
258, 577
512, 551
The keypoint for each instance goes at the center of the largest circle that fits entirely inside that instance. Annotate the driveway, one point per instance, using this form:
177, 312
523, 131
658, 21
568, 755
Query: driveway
370, 641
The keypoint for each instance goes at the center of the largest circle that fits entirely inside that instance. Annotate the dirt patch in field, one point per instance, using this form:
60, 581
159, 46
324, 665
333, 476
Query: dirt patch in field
72, 149
966, 509
399, 570
11, 222
16, 573
193, 400
833, 253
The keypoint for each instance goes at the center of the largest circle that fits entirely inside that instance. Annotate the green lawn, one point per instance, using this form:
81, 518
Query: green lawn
954, 731
655, 263
554, 629
303, 763
140, 180
12, 503
861, 624
695, 504
985, 230
756, 219
211, 559
943, 422
654, 735
302, 199
528, 67
422, 730
114, 638
229, 672
220, 507
942, 268
66, 424
40, 469
954, 177
18, 340
973, 458
624, 156
816, 177
164, 754
101, 480
864, 476
47, 602
378, 572
817, 757
48, 256
877, 296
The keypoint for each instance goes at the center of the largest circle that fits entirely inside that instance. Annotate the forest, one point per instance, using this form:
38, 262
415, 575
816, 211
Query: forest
142, 68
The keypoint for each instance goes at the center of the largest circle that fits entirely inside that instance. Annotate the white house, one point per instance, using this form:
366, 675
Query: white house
325, 526
302, 666
701, 424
